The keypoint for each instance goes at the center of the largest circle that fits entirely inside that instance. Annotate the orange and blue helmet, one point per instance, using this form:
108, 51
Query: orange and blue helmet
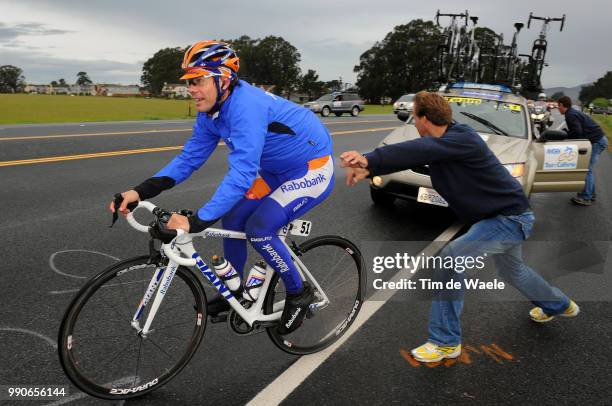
210, 58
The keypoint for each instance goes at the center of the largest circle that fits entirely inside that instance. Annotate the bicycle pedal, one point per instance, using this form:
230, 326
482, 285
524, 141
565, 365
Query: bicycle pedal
221, 318
309, 313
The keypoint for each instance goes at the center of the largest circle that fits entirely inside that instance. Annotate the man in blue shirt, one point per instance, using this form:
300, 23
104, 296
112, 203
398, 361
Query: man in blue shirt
280, 167
482, 193
580, 125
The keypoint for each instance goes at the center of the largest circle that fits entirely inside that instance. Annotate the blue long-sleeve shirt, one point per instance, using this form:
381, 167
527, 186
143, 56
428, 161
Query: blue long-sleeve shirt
261, 130
463, 170
581, 125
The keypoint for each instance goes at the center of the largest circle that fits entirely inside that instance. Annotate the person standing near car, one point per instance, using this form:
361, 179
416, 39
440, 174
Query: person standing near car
482, 193
581, 125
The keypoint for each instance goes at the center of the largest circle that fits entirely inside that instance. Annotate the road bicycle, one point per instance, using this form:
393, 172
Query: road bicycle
134, 326
537, 59
449, 46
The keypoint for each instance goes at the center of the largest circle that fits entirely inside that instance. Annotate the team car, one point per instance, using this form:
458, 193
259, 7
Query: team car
546, 162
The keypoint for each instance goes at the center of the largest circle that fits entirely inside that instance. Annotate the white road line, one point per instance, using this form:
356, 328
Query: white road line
48, 340
289, 380
54, 268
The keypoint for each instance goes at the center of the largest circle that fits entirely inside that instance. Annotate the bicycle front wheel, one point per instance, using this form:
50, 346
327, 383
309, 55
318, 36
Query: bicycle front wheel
337, 266
105, 356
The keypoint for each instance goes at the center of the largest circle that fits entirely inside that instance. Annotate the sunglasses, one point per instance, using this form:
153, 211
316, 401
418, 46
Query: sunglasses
194, 81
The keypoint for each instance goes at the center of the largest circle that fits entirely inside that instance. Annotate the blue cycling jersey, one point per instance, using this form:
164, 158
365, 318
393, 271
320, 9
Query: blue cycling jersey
262, 131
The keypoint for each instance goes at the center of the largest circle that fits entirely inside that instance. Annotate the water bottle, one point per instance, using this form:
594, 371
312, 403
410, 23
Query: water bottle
255, 281
226, 272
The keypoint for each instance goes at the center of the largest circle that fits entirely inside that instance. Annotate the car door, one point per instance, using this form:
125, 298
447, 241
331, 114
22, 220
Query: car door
561, 166
336, 104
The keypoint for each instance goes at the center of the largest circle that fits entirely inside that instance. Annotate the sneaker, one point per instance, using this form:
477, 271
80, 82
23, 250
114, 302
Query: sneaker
538, 315
296, 307
580, 201
430, 352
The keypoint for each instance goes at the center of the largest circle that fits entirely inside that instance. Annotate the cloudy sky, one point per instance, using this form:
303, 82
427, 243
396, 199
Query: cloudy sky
111, 39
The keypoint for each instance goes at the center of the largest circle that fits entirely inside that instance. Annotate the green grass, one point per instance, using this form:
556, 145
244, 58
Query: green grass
378, 109
33, 109
606, 123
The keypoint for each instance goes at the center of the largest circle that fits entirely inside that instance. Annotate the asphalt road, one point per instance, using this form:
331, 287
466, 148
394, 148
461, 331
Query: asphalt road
54, 222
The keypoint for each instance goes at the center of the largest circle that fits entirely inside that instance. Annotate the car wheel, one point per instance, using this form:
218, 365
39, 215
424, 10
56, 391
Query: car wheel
325, 111
380, 198
355, 111
338, 114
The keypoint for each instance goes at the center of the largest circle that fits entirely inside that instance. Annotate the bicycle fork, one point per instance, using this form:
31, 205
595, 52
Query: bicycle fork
162, 277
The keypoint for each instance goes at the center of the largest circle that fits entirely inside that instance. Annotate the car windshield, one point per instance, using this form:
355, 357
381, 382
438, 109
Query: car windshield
406, 98
325, 97
490, 116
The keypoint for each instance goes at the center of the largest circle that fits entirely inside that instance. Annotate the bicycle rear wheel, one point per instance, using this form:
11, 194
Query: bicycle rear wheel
105, 356
336, 264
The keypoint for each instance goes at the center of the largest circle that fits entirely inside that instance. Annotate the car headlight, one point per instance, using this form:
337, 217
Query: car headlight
516, 170
394, 105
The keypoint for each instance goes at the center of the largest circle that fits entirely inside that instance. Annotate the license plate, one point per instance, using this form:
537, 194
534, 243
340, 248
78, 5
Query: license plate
430, 196
300, 227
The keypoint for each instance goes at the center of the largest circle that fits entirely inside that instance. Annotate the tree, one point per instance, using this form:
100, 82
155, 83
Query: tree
54, 83
62, 82
11, 79
404, 61
245, 48
557, 95
601, 88
83, 79
274, 61
601, 102
310, 84
163, 67
333, 85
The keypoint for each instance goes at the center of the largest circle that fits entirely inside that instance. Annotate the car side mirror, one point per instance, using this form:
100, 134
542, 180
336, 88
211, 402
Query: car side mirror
553, 135
403, 115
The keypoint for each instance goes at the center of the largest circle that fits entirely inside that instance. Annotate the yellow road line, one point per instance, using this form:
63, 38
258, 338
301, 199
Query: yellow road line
86, 156
141, 151
365, 130
358, 122
44, 137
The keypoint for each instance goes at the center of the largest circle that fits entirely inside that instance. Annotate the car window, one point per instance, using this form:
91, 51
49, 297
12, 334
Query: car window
325, 97
508, 117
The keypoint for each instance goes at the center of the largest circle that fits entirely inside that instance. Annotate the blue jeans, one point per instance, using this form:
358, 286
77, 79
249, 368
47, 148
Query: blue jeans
589, 184
500, 237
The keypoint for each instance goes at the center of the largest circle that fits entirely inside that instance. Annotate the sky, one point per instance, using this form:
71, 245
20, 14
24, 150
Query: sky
111, 39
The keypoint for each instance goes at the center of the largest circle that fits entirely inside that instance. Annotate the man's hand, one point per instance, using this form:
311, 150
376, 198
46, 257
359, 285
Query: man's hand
130, 196
354, 175
178, 222
353, 159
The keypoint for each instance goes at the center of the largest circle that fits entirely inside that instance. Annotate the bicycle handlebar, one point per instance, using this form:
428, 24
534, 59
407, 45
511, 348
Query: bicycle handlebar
133, 222
546, 20
147, 229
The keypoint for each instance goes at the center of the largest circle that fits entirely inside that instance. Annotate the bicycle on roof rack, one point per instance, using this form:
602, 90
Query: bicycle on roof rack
449, 47
537, 58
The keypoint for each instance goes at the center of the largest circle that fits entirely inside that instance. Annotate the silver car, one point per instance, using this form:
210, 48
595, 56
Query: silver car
337, 103
405, 103
541, 163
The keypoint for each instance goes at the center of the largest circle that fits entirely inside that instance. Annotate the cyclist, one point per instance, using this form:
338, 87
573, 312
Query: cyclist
280, 167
